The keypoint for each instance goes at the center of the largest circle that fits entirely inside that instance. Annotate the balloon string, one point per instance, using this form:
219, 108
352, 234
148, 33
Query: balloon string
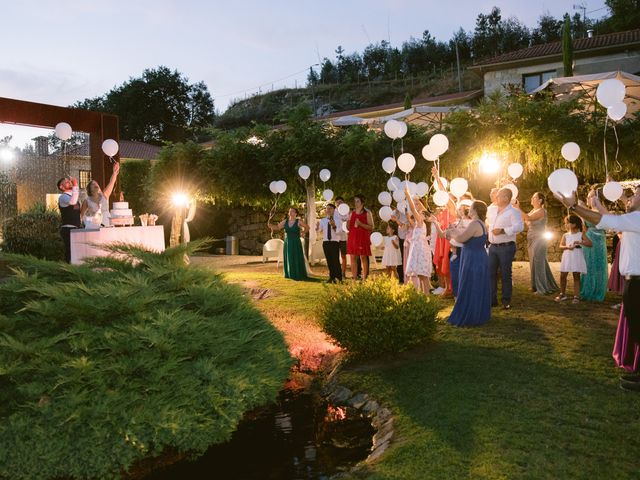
272, 213
606, 163
615, 131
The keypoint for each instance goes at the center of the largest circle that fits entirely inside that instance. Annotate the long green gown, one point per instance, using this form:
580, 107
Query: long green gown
295, 266
593, 284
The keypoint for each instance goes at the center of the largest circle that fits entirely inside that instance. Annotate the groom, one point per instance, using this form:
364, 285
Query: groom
69, 211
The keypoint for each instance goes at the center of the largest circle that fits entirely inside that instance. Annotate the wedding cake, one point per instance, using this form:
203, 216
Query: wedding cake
121, 214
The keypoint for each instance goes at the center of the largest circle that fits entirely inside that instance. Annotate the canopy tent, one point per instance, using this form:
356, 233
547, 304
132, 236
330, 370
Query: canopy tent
585, 86
422, 115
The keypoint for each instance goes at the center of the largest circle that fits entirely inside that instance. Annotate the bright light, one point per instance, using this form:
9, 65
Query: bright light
489, 163
7, 154
255, 141
548, 235
180, 199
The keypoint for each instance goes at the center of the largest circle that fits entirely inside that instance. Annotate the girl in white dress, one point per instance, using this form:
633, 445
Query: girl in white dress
391, 257
572, 260
419, 262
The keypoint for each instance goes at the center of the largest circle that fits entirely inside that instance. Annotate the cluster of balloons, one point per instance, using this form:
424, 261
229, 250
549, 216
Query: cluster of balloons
395, 129
278, 186
438, 144
610, 94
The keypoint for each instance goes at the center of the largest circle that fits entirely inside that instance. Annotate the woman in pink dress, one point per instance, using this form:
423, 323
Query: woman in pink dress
358, 241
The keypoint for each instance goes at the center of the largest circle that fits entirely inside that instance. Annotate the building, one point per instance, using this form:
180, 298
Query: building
531, 67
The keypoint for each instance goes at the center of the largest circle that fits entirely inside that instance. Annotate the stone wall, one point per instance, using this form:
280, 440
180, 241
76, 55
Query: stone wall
249, 226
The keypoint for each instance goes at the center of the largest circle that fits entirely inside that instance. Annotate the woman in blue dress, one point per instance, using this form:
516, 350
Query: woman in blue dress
473, 303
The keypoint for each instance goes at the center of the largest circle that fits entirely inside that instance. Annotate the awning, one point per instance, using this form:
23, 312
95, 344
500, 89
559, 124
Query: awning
585, 86
421, 115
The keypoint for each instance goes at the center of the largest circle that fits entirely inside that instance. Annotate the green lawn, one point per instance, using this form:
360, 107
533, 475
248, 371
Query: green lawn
533, 394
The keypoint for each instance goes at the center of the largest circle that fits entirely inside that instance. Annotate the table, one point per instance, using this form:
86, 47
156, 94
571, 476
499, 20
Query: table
151, 238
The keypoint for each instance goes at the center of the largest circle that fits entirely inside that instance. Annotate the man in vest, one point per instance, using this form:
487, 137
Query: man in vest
69, 211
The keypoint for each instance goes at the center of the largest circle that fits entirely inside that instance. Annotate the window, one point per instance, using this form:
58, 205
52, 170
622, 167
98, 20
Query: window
534, 80
84, 177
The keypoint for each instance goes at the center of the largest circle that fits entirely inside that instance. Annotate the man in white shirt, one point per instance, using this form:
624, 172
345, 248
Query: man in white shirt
69, 211
331, 227
401, 219
629, 260
504, 222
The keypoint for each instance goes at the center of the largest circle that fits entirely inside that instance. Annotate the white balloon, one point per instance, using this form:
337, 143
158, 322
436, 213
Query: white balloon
612, 191
343, 209
385, 213
617, 111
376, 239
402, 206
324, 175
110, 147
282, 186
327, 195
384, 198
304, 172
570, 151
429, 153
402, 129
421, 189
440, 143
345, 226
413, 188
458, 186
273, 186
406, 162
398, 195
441, 198
391, 129
610, 91
393, 184
514, 190
63, 131
389, 164
515, 170
563, 181
445, 184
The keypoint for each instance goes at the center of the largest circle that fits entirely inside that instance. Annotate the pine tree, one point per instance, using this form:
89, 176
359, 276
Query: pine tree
567, 47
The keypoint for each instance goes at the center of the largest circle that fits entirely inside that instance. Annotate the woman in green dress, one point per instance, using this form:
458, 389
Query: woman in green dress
593, 284
295, 264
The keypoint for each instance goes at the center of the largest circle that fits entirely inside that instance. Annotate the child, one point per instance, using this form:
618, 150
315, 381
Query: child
391, 257
572, 256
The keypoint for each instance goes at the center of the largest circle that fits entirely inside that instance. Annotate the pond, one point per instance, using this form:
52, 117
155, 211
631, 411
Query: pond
299, 437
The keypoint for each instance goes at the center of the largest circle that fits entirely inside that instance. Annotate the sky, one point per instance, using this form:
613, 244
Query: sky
59, 52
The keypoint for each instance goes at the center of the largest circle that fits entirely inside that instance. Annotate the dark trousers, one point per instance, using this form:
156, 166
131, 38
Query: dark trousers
401, 266
332, 254
631, 303
65, 233
501, 257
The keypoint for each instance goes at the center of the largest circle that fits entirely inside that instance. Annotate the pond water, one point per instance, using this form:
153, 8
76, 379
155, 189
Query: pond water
300, 437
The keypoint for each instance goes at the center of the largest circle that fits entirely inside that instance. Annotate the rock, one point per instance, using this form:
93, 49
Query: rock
340, 395
378, 451
359, 400
371, 406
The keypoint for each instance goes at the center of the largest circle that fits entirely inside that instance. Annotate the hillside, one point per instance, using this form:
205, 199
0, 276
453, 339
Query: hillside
270, 108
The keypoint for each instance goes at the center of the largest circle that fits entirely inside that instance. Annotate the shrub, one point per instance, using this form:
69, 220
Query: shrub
35, 232
105, 364
133, 182
378, 316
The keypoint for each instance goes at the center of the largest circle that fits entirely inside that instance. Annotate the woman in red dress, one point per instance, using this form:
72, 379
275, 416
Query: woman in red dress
358, 242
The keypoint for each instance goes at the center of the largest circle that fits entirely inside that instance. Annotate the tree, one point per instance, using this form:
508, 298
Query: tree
407, 101
625, 15
567, 47
549, 29
159, 106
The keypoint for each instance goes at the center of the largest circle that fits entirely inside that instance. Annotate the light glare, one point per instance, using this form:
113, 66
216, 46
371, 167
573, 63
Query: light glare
7, 154
180, 199
489, 163
548, 235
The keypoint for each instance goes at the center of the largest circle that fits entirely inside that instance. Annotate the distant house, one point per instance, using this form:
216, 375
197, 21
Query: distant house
531, 67
36, 173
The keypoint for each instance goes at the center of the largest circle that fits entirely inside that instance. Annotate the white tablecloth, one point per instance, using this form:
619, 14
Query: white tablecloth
82, 239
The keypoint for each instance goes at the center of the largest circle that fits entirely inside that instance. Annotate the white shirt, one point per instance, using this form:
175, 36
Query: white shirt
461, 226
402, 224
508, 219
629, 223
335, 232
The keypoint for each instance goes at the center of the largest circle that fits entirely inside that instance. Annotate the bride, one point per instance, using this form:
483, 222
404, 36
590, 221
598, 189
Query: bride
95, 209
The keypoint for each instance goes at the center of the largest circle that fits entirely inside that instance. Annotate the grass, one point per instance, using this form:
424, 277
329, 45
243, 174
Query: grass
531, 395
